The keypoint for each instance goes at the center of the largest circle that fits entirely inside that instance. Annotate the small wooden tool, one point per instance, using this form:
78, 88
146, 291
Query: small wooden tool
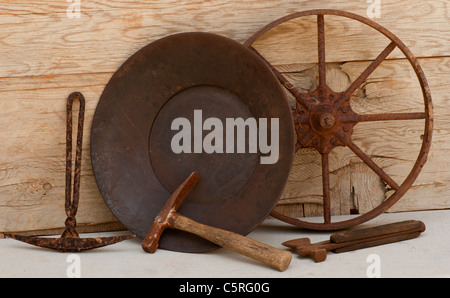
168, 217
357, 239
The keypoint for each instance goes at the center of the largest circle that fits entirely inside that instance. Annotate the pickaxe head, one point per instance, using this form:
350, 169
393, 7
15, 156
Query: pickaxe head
70, 240
70, 244
166, 217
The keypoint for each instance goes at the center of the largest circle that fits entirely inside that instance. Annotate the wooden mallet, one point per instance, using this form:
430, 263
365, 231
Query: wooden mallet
169, 218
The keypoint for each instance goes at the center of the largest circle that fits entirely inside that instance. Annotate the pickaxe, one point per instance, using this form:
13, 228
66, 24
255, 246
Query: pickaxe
169, 218
70, 241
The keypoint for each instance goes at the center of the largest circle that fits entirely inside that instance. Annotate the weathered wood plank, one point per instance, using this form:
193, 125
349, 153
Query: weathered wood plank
32, 163
44, 56
38, 38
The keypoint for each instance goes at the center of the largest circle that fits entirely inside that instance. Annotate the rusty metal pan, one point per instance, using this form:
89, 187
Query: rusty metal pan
134, 164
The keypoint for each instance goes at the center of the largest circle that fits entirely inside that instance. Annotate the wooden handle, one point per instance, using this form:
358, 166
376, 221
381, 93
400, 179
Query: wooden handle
404, 226
381, 241
274, 257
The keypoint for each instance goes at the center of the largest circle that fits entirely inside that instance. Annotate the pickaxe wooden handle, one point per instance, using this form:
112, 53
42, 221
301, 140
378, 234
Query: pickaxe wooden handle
169, 218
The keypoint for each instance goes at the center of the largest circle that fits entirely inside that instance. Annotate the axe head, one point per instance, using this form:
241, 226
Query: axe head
166, 217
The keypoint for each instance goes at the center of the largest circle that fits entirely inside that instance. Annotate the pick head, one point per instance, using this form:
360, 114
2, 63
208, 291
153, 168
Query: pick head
166, 216
70, 244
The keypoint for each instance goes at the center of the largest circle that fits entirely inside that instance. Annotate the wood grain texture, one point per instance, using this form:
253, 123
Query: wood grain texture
39, 39
44, 56
272, 256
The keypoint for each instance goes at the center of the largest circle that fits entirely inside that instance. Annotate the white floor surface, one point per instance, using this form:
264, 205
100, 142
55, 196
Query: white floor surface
425, 256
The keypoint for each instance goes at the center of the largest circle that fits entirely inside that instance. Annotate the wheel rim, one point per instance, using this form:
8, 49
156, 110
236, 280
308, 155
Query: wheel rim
324, 119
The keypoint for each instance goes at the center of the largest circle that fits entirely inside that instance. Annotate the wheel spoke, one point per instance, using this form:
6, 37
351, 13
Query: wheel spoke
391, 116
365, 74
321, 50
299, 96
366, 159
326, 188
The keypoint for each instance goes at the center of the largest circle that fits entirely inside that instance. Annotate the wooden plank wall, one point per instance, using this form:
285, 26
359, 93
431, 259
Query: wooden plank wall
45, 55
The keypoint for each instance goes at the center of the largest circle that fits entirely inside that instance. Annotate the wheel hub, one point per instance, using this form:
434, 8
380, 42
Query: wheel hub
325, 124
327, 120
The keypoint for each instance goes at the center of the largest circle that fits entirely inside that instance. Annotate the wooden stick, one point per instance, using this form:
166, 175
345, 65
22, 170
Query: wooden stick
387, 240
352, 235
274, 257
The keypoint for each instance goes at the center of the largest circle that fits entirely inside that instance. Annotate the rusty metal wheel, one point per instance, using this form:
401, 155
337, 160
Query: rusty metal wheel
324, 119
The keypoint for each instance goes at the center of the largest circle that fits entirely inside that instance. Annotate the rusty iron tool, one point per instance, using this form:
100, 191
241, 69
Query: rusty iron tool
70, 241
357, 239
169, 218
324, 119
